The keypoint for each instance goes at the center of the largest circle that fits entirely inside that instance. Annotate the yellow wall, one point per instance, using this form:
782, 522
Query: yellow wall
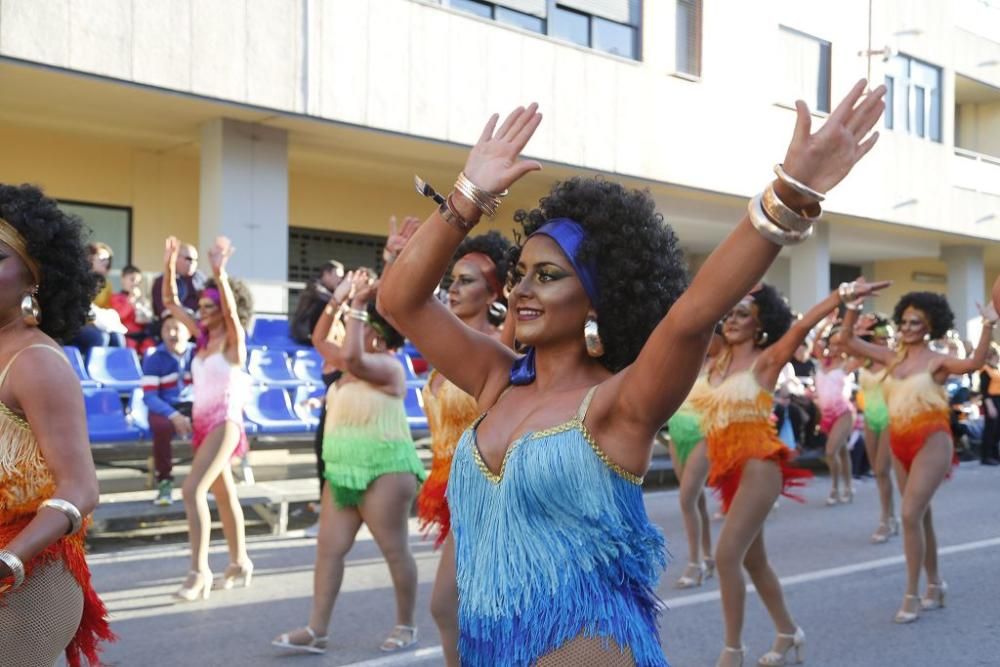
161, 189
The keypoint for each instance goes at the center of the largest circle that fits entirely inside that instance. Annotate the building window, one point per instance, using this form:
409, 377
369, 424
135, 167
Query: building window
107, 224
913, 99
807, 68
611, 26
688, 37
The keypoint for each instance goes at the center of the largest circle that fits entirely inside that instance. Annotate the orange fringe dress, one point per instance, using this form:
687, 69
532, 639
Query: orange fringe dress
449, 413
918, 408
736, 418
25, 481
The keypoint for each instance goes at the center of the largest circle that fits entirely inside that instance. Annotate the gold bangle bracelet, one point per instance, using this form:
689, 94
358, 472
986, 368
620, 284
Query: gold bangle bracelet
797, 185
769, 230
783, 215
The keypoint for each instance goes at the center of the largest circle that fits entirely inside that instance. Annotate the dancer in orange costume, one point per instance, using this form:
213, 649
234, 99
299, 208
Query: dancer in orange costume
47, 479
749, 464
475, 296
919, 426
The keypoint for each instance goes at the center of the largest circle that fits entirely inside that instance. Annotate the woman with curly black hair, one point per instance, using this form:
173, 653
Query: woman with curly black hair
557, 561
221, 390
47, 478
877, 329
920, 425
475, 295
371, 466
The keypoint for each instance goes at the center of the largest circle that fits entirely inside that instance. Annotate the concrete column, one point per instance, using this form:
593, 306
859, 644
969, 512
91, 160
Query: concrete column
244, 195
966, 286
810, 270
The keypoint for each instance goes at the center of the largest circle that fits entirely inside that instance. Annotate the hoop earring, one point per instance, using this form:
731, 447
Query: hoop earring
761, 338
31, 312
592, 338
498, 310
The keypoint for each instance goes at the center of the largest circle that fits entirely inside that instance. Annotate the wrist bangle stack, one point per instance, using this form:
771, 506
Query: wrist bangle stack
786, 217
67, 508
485, 201
769, 228
11, 560
450, 214
847, 293
358, 314
798, 185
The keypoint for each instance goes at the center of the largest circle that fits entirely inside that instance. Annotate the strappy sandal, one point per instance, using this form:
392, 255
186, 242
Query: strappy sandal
396, 642
316, 643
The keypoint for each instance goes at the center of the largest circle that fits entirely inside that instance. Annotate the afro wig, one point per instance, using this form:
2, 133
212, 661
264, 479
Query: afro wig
640, 268
773, 313
55, 242
244, 299
940, 317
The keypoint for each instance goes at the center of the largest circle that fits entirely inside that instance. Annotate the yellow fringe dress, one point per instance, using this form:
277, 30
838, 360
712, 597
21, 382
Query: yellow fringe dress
449, 413
736, 418
918, 408
25, 482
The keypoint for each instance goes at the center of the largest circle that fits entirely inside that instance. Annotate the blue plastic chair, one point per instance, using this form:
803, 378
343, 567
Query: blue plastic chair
415, 415
412, 379
271, 410
271, 367
76, 361
272, 332
308, 367
106, 420
307, 414
115, 368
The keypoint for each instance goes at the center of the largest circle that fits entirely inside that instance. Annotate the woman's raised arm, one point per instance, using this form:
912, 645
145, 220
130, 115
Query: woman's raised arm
470, 359
236, 340
168, 287
956, 366
652, 387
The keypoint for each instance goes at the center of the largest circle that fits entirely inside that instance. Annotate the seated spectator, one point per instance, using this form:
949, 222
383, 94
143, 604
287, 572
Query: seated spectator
134, 309
167, 392
312, 301
104, 327
189, 282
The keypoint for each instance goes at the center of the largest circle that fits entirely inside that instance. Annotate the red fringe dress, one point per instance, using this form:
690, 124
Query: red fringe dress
736, 418
25, 481
918, 408
449, 412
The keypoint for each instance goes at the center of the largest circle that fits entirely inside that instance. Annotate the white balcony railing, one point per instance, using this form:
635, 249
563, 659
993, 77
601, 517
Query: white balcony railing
975, 171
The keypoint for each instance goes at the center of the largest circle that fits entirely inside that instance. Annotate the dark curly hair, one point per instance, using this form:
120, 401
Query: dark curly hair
56, 241
940, 317
773, 313
494, 245
640, 267
393, 339
243, 296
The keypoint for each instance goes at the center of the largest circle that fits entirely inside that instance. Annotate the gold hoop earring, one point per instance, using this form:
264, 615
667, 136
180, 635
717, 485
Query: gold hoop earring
592, 338
31, 312
761, 338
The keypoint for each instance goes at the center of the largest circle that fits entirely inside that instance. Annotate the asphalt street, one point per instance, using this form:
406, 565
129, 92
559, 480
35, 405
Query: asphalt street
842, 591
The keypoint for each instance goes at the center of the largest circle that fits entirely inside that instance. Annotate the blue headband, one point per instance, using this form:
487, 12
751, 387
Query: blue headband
569, 235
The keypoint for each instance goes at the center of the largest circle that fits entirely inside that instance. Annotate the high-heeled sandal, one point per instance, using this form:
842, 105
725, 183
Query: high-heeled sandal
233, 572
930, 601
776, 658
847, 497
709, 564
903, 615
316, 644
691, 581
833, 498
394, 642
726, 650
882, 533
196, 585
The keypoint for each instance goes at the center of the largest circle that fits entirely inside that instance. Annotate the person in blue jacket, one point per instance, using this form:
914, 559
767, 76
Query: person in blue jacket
166, 387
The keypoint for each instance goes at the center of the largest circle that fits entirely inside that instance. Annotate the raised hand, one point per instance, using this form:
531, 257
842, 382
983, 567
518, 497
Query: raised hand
363, 287
493, 162
863, 289
987, 312
343, 288
220, 253
170, 249
398, 237
823, 159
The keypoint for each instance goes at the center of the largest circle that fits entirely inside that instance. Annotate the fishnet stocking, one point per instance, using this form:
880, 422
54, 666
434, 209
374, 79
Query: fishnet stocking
589, 651
40, 619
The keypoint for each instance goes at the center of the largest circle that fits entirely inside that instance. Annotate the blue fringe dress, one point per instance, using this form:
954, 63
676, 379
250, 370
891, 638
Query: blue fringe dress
555, 547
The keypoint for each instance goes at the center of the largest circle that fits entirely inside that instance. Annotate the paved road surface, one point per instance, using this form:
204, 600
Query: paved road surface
841, 590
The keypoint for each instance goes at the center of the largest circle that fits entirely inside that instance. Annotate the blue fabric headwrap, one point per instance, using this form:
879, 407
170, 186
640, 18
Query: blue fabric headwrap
569, 235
